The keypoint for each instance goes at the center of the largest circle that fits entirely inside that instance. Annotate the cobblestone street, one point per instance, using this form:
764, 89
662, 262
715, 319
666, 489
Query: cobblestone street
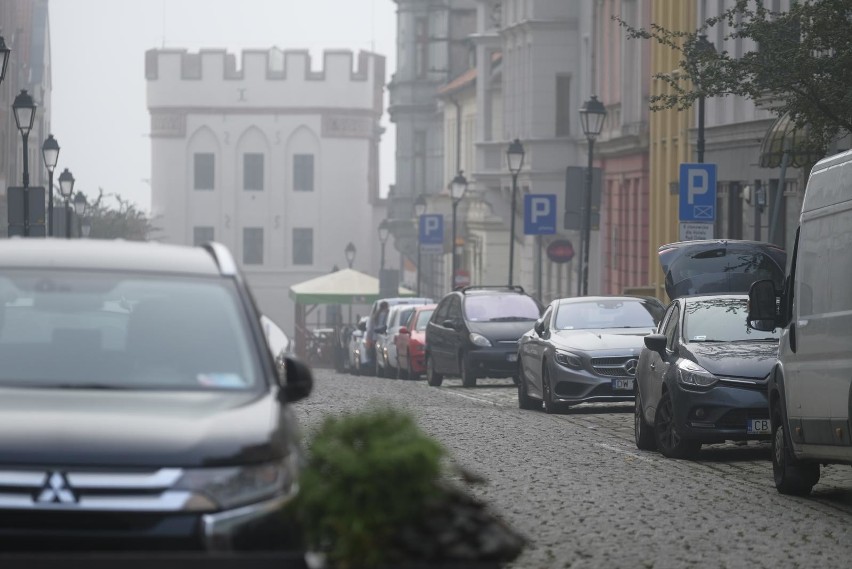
578, 488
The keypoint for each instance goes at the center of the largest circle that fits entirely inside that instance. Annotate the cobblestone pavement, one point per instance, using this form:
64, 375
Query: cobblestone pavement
578, 488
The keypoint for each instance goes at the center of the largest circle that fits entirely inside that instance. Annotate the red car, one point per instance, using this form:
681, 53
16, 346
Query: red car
411, 342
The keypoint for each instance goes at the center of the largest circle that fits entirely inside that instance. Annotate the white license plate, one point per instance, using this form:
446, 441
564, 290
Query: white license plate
622, 384
758, 426
512, 357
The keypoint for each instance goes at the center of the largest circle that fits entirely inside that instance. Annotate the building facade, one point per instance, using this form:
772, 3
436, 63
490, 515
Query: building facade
275, 159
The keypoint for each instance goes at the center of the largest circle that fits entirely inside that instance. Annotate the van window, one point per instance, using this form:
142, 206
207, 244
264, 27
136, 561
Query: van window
813, 264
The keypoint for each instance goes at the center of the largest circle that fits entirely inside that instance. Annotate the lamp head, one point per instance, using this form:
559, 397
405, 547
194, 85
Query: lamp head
420, 205
66, 183
592, 116
4, 58
50, 153
515, 156
384, 231
458, 186
80, 203
24, 108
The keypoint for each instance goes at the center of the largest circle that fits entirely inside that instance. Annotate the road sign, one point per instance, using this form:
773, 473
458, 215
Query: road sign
697, 193
691, 231
539, 214
560, 251
431, 233
462, 278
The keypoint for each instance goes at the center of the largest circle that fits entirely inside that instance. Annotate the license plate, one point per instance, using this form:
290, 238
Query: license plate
622, 384
512, 357
758, 426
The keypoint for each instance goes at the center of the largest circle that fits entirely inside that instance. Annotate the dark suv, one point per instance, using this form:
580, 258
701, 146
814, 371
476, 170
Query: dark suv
142, 405
474, 333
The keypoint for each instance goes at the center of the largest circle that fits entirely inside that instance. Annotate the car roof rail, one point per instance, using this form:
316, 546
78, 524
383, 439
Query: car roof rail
222, 256
513, 288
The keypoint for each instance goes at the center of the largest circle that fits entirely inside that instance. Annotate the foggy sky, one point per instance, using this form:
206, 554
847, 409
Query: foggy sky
99, 113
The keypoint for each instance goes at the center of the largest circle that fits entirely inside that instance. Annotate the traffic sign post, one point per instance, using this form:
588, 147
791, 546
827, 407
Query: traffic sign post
697, 208
539, 214
431, 235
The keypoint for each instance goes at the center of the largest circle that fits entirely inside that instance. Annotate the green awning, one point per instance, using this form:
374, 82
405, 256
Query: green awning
346, 286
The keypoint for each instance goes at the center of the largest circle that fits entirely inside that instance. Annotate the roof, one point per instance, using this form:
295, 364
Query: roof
346, 286
106, 254
465, 79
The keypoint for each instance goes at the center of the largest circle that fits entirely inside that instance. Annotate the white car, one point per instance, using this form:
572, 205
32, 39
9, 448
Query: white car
358, 356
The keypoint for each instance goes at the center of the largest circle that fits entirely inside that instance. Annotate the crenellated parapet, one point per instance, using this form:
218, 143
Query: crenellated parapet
265, 79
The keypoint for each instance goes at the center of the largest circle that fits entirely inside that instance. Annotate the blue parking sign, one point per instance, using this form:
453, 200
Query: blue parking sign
431, 233
539, 214
697, 193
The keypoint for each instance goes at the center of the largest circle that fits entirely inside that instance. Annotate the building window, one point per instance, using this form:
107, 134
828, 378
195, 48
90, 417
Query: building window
205, 177
421, 51
252, 245
303, 246
253, 171
303, 172
201, 235
563, 105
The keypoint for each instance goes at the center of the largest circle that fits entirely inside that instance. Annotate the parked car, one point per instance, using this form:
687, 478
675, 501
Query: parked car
358, 358
584, 349
411, 342
376, 320
702, 377
386, 353
474, 333
126, 367
810, 387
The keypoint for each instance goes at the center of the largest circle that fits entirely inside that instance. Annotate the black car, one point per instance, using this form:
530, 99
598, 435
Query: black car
141, 405
584, 349
474, 333
702, 377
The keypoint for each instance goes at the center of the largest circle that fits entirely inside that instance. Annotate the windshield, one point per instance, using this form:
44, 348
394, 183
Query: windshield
71, 329
500, 308
602, 314
720, 319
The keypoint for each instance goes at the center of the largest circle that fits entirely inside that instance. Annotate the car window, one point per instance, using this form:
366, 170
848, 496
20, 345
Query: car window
672, 327
721, 319
442, 312
721, 270
123, 331
404, 317
607, 313
547, 317
500, 307
454, 312
423, 318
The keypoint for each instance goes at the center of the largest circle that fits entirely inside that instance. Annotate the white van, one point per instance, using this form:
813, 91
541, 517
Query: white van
810, 388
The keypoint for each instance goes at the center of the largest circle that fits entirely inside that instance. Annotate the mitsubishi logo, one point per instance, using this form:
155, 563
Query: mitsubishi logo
56, 490
630, 367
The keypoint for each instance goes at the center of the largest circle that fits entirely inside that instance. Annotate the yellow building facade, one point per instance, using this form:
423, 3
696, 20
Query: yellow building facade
669, 139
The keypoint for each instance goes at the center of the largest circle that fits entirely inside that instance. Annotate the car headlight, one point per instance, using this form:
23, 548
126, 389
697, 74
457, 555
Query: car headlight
568, 359
479, 340
231, 487
691, 374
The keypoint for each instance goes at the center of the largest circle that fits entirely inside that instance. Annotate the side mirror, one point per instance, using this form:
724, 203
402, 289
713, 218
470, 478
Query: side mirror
539, 327
656, 343
402, 331
297, 381
763, 306
362, 326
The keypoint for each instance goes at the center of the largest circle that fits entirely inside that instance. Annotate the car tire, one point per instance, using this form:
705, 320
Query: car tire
433, 378
791, 476
669, 441
468, 377
642, 431
524, 400
550, 406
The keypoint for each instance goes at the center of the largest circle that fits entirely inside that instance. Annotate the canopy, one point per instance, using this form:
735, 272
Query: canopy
346, 286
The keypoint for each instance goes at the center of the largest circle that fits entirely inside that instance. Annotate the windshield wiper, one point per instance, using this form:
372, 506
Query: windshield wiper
709, 341
105, 386
757, 340
511, 319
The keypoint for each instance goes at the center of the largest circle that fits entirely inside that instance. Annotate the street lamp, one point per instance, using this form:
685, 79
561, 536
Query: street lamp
24, 108
80, 204
4, 58
350, 253
384, 231
419, 209
458, 187
66, 188
515, 158
592, 116
698, 58
86, 226
50, 154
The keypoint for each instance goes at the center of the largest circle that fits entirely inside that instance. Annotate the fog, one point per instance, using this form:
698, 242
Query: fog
98, 111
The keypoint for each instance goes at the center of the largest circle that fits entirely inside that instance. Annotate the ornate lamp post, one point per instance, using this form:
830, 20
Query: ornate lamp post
50, 154
592, 116
515, 159
24, 108
698, 57
458, 187
384, 231
80, 205
350, 253
66, 188
419, 210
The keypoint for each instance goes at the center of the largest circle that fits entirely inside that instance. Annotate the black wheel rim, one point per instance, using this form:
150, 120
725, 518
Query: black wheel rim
667, 436
778, 451
545, 386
